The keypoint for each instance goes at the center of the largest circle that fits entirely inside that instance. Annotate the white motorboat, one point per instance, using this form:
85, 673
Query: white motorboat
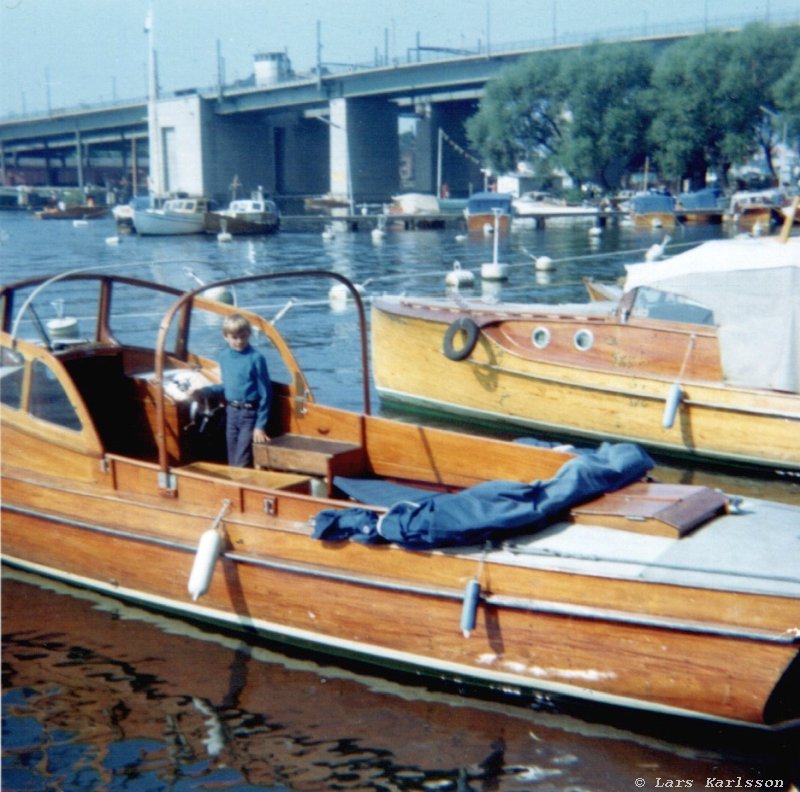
176, 216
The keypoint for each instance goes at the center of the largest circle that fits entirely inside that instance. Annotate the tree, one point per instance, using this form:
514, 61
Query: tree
603, 88
520, 115
713, 99
579, 111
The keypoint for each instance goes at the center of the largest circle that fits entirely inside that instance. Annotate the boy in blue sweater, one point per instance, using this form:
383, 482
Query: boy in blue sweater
247, 388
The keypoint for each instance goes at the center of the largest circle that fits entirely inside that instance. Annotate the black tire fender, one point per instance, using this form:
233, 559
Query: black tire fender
465, 327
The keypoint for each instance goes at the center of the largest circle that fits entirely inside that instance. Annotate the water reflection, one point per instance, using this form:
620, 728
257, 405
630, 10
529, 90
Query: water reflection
98, 695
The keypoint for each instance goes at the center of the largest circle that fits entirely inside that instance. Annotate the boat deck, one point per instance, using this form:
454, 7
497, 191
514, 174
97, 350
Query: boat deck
709, 557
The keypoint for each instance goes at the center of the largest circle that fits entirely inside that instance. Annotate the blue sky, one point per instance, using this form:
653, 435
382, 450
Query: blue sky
61, 53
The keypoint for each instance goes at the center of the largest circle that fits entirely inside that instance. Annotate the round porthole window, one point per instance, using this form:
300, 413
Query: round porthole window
540, 337
583, 340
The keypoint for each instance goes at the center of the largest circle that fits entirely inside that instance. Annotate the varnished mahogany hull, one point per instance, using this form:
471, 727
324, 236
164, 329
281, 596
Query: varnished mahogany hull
647, 646
617, 389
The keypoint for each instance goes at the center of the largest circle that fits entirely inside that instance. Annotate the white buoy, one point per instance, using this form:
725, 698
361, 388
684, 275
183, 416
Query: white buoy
208, 551
673, 401
113, 240
544, 263
221, 294
62, 326
224, 236
494, 269
79, 223
339, 295
328, 232
461, 237
458, 276
595, 231
377, 234
656, 252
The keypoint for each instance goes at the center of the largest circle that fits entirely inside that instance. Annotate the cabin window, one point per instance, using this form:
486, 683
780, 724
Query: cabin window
583, 340
12, 373
540, 337
48, 399
655, 304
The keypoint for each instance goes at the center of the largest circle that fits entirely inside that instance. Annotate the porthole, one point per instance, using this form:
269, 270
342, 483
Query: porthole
583, 340
540, 337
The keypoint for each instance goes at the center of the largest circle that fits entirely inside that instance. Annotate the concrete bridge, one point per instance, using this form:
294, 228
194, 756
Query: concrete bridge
327, 133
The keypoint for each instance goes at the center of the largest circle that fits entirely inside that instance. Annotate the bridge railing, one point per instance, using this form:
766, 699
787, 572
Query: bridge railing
429, 54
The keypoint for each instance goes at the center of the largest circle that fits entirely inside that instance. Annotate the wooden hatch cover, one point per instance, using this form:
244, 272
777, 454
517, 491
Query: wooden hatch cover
656, 509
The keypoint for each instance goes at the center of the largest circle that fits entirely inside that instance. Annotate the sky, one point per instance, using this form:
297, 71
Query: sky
64, 53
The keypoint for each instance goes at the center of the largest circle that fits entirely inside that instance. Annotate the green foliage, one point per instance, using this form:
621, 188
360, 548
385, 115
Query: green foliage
597, 112
519, 119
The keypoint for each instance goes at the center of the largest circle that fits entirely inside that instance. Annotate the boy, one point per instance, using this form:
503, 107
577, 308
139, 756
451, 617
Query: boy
247, 389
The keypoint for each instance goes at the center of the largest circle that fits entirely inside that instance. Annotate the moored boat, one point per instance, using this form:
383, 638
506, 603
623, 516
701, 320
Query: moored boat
697, 359
652, 210
245, 216
483, 208
60, 211
356, 534
756, 210
177, 216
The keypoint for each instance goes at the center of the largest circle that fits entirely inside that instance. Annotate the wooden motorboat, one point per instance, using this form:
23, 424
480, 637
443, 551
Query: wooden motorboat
652, 210
621, 590
245, 216
486, 211
177, 216
698, 358
756, 210
87, 211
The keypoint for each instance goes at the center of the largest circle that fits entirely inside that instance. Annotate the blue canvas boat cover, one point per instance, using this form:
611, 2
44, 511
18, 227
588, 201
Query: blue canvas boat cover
492, 509
642, 203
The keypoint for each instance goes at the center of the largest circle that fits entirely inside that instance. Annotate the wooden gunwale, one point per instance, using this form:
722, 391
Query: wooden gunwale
527, 604
288, 541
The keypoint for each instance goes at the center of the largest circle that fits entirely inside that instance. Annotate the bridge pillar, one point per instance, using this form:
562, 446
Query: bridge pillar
364, 149
460, 171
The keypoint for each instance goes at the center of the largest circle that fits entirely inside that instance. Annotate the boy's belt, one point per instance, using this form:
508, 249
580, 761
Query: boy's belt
242, 405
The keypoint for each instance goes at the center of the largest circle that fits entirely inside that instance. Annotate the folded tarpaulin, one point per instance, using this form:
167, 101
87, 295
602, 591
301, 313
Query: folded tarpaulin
491, 509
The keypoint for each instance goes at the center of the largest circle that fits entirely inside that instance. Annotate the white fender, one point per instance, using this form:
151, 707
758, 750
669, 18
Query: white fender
469, 607
208, 551
673, 401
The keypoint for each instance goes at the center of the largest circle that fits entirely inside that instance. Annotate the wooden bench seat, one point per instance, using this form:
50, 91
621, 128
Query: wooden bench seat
269, 479
312, 456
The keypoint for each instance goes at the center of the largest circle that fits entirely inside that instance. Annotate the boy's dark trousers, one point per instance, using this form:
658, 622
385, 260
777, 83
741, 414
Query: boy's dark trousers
239, 425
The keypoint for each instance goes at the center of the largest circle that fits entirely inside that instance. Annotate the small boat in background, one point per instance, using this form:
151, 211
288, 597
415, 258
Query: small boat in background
176, 216
539, 206
480, 212
61, 211
243, 216
652, 210
124, 213
756, 210
706, 205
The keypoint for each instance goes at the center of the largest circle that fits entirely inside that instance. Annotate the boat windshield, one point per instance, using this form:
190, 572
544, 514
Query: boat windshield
655, 304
